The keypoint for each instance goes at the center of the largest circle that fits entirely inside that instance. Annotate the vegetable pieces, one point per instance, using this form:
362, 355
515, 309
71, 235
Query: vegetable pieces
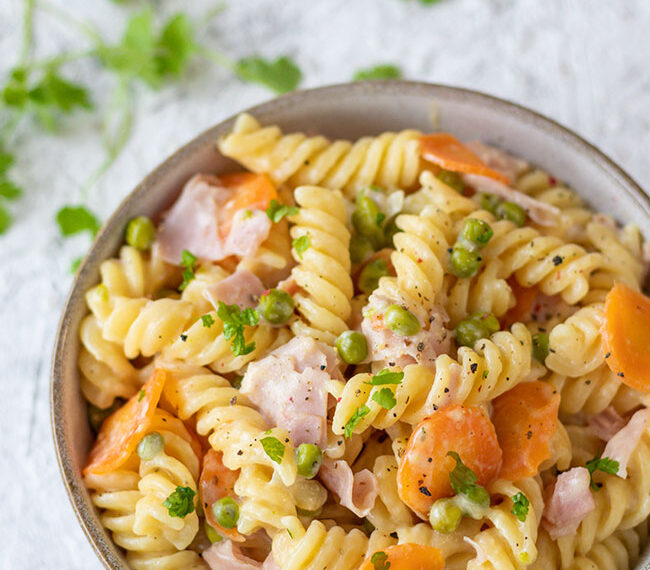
122, 431
525, 419
626, 336
407, 556
449, 153
423, 475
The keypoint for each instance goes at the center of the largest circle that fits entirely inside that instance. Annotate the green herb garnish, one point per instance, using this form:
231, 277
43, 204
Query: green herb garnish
301, 245
385, 376
385, 398
188, 261
281, 75
181, 502
234, 320
604, 464
75, 219
207, 321
520, 504
463, 481
273, 447
380, 561
382, 71
277, 211
359, 413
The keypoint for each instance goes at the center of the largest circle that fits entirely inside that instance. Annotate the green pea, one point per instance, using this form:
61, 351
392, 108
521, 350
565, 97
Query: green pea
370, 275
478, 495
308, 459
401, 321
352, 347
463, 262
213, 535
488, 319
468, 331
150, 446
140, 233
511, 211
96, 416
451, 179
540, 346
226, 512
489, 202
276, 306
367, 219
445, 516
360, 248
476, 232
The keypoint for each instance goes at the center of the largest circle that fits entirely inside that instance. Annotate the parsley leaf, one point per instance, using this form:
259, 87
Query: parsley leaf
359, 413
281, 75
273, 448
188, 261
380, 561
385, 398
277, 211
55, 91
6, 162
5, 219
9, 190
604, 464
385, 376
234, 320
301, 245
181, 502
463, 481
75, 219
520, 504
382, 71
175, 46
207, 321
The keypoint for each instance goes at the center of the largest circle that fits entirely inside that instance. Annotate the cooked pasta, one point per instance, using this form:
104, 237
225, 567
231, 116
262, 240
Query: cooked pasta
352, 357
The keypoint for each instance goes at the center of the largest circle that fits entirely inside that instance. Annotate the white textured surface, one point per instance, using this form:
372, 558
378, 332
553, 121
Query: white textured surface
584, 63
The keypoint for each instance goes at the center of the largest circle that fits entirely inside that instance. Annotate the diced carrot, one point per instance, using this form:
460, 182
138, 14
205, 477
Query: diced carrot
250, 191
423, 475
524, 299
164, 421
525, 419
217, 481
447, 151
123, 429
407, 556
626, 336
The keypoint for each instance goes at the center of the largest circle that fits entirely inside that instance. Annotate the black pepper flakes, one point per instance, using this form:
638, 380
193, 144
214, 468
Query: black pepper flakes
183, 337
425, 491
557, 260
473, 367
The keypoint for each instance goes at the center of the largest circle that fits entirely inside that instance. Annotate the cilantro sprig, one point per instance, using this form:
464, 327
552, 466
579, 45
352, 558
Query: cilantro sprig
181, 502
273, 447
207, 320
604, 464
277, 211
520, 505
385, 398
361, 412
234, 320
385, 376
188, 261
464, 482
301, 245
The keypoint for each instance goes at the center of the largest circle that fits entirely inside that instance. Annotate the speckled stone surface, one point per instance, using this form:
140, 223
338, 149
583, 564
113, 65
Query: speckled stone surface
585, 63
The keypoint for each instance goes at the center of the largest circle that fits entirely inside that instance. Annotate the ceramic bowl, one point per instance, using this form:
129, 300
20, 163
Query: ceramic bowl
346, 111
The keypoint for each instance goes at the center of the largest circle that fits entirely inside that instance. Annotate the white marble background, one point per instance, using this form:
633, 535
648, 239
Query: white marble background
585, 63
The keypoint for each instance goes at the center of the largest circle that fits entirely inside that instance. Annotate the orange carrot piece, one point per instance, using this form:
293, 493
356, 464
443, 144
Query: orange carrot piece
525, 419
123, 429
524, 299
250, 191
408, 556
217, 481
447, 151
423, 475
626, 336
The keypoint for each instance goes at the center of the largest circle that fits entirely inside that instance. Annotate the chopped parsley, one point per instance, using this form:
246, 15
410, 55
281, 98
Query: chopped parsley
277, 211
380, 561
463, 481
520, 504
385, 376
273, 447
301, 245
359, 413
234, 320
181, 502
604, 464
188, 261
141, 395
207, 321
385, 398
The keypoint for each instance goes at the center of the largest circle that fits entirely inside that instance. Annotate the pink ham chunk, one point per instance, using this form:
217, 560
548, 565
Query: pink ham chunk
621, 446
242, 288
606, 423
356, 491
192, 224
226, 555
432, 340
289, 387
568, 502
511, 167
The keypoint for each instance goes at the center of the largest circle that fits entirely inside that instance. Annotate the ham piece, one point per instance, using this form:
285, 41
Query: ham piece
511, 167
242, 288
226, 555
356, 491
543, 214
568, 502
621, 446
192, 224
606, 423
289, 387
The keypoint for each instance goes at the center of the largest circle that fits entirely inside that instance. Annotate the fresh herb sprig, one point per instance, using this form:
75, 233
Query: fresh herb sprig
604, 464
234, 320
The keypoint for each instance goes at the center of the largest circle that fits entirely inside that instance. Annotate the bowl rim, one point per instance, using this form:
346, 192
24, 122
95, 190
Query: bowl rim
106, 551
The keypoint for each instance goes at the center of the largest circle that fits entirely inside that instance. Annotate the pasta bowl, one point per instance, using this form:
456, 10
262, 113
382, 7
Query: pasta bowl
343, 111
